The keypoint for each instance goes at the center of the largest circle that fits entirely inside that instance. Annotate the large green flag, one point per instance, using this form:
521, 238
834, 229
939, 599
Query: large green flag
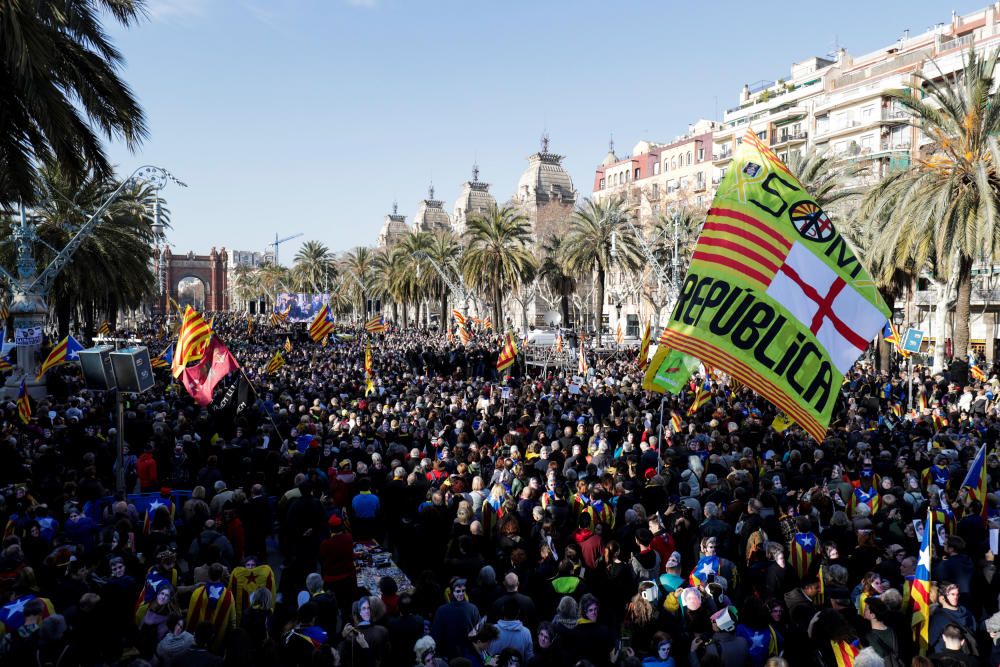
669, 371
774, 296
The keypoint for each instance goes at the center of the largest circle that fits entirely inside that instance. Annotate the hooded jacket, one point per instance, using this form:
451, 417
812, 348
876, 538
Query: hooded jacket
513, 635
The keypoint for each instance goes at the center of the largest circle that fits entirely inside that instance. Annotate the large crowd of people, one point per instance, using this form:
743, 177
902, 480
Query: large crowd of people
538, 520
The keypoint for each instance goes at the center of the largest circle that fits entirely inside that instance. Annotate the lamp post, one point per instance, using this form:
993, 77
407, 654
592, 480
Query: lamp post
897, 319
30, 289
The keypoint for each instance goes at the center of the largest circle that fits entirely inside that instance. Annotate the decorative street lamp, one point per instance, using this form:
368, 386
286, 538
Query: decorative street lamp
30, 289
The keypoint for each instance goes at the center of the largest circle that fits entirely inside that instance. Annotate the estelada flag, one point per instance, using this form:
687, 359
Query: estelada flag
802, 551
920, 590
288, 344
508, 353
321, 325
774, 296
644, 347
275, 364
245, 580
67, 350
844, 652
200, 380
23, 404
212, 603
164, 359
459, 317
191, 339
6, 363
975, 480
376, 325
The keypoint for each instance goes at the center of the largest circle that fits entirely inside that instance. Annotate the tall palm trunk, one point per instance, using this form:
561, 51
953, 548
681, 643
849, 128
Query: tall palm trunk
962, 307
885, 348
599, 310
564, 307
395, 313
63, 315
444, 309
498, 309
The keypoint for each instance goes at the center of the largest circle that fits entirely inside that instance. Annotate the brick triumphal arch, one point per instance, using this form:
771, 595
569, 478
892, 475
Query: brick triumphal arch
210, 269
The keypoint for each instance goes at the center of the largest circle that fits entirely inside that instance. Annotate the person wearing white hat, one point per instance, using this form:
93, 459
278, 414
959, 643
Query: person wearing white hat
724, 643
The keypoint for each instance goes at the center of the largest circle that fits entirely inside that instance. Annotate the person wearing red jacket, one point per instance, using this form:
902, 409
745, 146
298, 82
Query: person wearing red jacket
336, 557
146, 469
588, 541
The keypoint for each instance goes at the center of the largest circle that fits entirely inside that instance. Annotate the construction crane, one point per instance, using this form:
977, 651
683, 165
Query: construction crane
277, 243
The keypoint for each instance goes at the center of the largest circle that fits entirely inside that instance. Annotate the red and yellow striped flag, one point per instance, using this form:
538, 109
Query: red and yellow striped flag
192, 338
643, 357
844, 652
321, 325
508, 353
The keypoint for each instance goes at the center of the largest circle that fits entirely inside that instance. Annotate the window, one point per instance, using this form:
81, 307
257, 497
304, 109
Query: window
684, 182
762, 135
656, 209
701, 154
602, 184
840, 148
700, 201
632, 325
636, 177
689, 158
656, 168
868, 143
666, 166
868, 114
673, 163
656, 190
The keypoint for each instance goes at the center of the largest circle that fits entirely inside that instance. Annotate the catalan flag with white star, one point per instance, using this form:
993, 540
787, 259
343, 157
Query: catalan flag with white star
321, 325
6, 363
23, 403
67, 350
920, 590
376, 325
978, 374
275, 364
164, 359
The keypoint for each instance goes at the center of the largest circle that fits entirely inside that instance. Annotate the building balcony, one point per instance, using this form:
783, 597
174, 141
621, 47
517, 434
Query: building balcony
895, 116
724, 156
699, 186
789, 138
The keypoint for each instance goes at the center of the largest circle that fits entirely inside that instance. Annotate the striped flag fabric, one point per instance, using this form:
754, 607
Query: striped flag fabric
212, 603
6, 363
975, 479
67, 350
802, 551
619, 335
104, 329
459, 317
582, 366
487, 322
275, 364
23, 403
920, 589
769, 260
844, 652
376, 325
4, 312
643, 357
321, 325
451, 336
192, 339
559, 343
249, 326
164, 359
706, 566
675, 422
975, 369
288, 344
701, 397
464, 335
279, 318
369, 370
508, 353
891, 335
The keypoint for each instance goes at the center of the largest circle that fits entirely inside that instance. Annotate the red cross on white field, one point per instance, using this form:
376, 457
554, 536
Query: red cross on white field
842, 320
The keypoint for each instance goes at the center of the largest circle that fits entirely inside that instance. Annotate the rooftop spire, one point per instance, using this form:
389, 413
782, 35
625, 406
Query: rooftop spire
611, 144
430, 191
475, 173
395, 207
545, 142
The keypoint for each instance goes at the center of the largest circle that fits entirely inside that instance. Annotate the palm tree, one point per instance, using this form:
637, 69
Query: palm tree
273, 279
943, 207
246, 284
313, 268
444, 250
559, 278
358, 264
414, 248
598, 241
828, 178
112, 270
58, 82
497, 257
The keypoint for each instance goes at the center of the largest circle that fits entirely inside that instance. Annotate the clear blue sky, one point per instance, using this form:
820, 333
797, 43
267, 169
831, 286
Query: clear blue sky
314, 115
